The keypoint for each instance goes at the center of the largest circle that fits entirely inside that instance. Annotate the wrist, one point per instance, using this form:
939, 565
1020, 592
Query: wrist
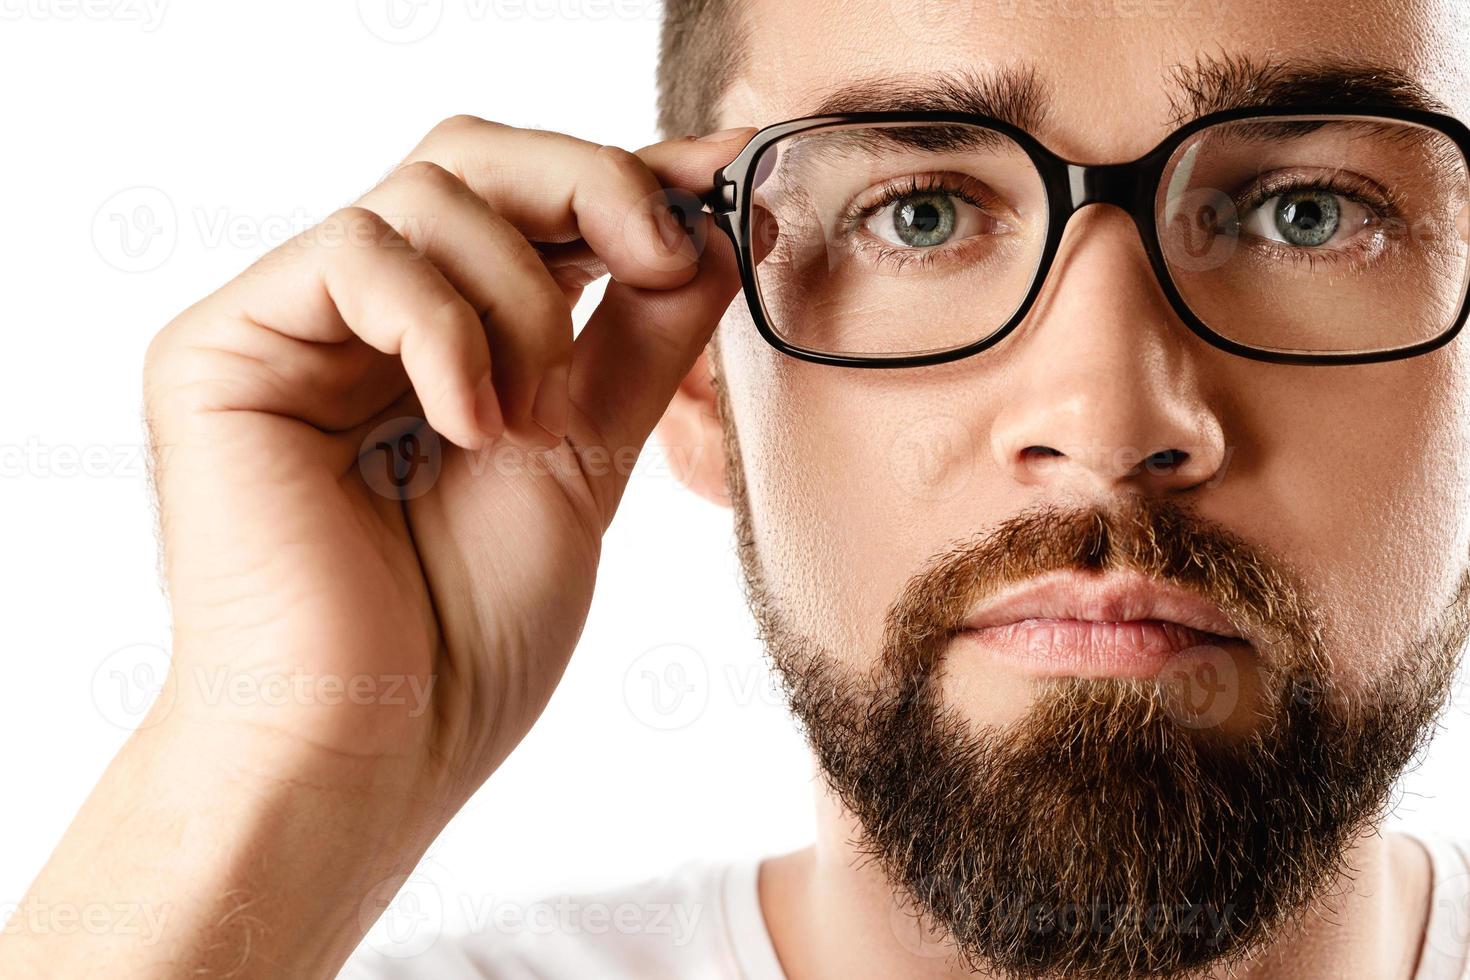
247, 853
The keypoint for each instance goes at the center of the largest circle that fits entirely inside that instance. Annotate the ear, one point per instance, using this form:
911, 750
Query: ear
691, 434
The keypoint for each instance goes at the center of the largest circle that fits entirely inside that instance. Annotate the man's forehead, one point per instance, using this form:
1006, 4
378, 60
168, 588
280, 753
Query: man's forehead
1096, 78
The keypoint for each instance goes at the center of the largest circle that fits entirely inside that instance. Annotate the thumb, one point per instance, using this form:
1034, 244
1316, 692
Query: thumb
637, 346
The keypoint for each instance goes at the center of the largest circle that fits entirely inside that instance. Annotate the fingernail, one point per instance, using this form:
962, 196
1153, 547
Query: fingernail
673, 231
725, 134
551, 407
487, 408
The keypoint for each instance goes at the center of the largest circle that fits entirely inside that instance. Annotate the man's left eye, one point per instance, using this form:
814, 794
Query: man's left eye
1311, 218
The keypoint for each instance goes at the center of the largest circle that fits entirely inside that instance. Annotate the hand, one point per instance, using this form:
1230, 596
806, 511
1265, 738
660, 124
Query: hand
285, 406
384, 470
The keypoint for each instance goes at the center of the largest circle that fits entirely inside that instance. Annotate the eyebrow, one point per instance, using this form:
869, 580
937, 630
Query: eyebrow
1215, 83
1016, 94
1013, 94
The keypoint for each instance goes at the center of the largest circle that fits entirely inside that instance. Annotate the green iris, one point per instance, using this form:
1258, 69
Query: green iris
1308, 218
924, 220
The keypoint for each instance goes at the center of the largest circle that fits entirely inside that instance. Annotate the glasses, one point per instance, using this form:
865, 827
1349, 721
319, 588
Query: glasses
1300, 235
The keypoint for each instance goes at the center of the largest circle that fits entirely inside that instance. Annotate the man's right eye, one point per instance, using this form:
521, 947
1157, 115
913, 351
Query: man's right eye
926, 219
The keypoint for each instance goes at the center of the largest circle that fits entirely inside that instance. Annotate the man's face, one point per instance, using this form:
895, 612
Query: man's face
1332, 500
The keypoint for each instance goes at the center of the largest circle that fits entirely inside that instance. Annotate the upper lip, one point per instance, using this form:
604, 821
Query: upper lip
1110, 597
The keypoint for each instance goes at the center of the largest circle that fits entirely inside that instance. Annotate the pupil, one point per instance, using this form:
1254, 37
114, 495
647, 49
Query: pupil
1308, 218
924, 220
1307, 215
921, 218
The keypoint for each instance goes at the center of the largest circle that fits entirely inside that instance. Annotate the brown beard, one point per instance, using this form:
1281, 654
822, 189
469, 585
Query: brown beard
1107, 834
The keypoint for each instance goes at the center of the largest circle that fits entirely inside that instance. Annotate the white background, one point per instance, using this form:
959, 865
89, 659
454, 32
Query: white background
152, 149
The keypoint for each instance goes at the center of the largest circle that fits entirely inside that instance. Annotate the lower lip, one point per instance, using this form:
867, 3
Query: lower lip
1085, 648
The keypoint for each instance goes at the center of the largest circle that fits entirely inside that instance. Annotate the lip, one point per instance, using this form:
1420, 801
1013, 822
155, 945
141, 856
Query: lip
1097, 625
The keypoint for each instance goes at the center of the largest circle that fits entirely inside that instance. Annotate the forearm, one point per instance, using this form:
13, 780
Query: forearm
200, 854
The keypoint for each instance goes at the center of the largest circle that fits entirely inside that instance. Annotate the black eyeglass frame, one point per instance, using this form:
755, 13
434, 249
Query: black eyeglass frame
1069, 187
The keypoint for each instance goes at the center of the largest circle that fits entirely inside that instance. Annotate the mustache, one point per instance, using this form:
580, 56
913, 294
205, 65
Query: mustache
1164, 540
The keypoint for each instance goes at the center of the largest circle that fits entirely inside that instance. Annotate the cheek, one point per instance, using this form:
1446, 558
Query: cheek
1359, 480
855, 479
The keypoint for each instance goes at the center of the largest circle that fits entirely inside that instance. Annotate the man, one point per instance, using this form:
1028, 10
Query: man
1112, 607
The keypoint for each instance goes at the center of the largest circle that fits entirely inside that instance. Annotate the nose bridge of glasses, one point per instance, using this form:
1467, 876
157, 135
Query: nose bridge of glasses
1118, 184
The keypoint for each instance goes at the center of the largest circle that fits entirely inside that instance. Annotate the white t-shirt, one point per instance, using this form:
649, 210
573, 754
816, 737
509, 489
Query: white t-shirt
702, 921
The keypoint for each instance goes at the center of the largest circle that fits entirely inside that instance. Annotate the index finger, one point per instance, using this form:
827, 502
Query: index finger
558, 189
688, 163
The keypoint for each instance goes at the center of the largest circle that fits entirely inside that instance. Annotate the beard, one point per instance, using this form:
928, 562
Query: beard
1118, 828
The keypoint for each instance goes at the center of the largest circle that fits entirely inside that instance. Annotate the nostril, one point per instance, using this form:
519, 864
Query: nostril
1166, 459
1114, 464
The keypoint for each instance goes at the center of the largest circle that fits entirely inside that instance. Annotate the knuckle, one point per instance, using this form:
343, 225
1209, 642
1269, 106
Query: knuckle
441, 333
160, 348
429, 175
549, 310
461, 123
354, 227
355, 218
451, 320
175, 369
621, 164
547, 337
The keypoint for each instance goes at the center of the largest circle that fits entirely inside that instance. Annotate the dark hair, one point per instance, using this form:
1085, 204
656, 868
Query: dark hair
700, 50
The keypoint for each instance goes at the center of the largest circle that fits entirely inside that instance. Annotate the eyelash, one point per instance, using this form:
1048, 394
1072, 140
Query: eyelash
855, 215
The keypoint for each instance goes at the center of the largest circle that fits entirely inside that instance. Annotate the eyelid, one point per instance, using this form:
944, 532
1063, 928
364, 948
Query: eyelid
886, 192
1355, 186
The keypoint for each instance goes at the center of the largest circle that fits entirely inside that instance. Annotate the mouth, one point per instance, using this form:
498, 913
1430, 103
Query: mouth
1114, 624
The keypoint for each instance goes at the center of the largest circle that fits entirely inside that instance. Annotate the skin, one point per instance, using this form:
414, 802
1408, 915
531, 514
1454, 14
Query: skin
281, 556
1327, 465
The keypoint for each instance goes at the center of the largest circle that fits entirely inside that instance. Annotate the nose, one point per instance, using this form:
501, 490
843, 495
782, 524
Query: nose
1105, 392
